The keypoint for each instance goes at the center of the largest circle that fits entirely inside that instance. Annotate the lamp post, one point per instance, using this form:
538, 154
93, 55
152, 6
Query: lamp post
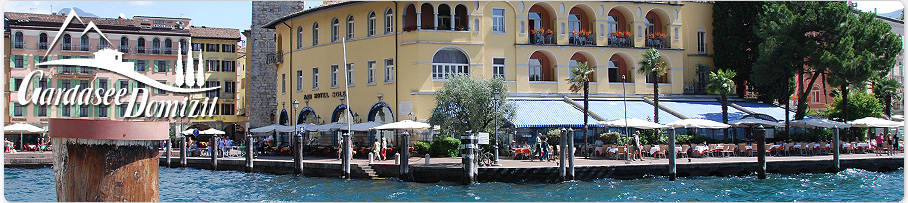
495, 94
297, 142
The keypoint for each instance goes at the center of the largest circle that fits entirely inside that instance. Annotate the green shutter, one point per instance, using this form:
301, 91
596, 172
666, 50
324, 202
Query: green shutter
35, 83
167, 66
12, 84
25, 61
12, 61
132, 85
35, 108
37, 61
154, 67
60, 110
11, 108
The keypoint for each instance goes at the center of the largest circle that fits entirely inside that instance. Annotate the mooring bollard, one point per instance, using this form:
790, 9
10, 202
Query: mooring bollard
562, 155
214, 152
397, 159
760, 134
837, 146
348, 155
297, 143
371, 158
249, 153
467, 152
427, 159
182, 151
405, 157
106, 160
672, 167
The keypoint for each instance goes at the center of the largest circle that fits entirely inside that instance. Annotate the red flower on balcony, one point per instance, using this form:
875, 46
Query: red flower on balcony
657, 35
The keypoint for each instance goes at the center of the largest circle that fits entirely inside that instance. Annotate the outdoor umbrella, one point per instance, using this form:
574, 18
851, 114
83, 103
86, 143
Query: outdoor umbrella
22, 128
363, 126
403, 125
271, 128
819, 122
211, 131
697, 123
632, 123
188, 131
327, 127
751, 122
876, 123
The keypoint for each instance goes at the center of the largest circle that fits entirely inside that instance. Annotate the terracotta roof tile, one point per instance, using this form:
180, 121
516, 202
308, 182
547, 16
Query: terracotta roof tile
212, 32
34, 17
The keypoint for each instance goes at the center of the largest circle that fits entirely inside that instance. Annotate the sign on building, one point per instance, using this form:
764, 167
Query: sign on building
483, 138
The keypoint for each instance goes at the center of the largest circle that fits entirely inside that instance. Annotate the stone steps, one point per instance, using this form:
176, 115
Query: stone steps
367, 170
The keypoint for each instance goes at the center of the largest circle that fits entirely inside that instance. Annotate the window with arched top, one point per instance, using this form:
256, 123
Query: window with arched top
85, 44
314, 34
168, 46
155, 46
389, 21
18, 41
334, 26
102, 43
67, 42
444, 17
449, 61
183, 47
370, 25
140, 45
124, 44
299, 37
42, 41
350, 27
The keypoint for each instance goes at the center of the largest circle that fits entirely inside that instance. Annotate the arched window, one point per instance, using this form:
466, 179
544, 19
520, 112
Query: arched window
370, 30
155, 46
428, 16
85, 43
67, 42
541, 67
168, 46
350, 27
183, 47
334, 26
617, 67
444, 17
124, 44
19, 41
410, 18
140, 45
102, 43
314, 34
299, 37
461, 22
449, 61
42, 41
389, 21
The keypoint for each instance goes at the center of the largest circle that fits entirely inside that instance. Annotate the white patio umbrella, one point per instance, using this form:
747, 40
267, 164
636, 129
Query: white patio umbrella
211, 131
328, 127
188, 131
272, 128
752, 122
819, 122
876, 123
632, 123
697, 123
22, 128
363, 126
403, 125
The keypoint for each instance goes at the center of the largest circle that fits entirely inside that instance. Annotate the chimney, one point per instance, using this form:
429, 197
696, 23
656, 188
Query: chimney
63, 13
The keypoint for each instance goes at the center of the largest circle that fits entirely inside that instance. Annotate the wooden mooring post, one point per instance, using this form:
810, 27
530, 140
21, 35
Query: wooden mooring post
214, 152
760, 134
183, 151
106, 160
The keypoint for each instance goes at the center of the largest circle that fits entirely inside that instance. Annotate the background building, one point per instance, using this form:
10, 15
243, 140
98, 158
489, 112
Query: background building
259, 73
216, 50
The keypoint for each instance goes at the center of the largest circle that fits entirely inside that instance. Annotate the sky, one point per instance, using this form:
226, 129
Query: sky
881, 6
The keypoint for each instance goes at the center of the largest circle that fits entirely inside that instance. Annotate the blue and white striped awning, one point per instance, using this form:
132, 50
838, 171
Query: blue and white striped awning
772, 110
548, 113
614, 110
704, 110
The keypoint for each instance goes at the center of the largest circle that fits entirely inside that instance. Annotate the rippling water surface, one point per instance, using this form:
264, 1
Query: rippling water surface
195, 185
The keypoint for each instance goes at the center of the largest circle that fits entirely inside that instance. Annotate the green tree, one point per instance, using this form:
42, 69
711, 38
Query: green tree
466, 104
721, 83
581, 80
862, 48
887, 90
736, 43
652, 66
862, 103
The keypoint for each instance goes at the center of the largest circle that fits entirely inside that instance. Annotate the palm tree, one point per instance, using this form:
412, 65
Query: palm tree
887, 89
581, 80
652, 66
721, 83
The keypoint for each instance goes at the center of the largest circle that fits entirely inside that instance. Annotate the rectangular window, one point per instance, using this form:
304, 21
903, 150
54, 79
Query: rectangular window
350, 75
83, 111
370, 73
497, 20
212, 94
228, 66
67, 109
498, 68
334, 76
227, 109
123, 84
83, 85
160, 91
212, 65
212, 47
283, 83
42, 110
613, 74
162, 65
228, 48
535, 70
140, 65
102, 110
815, 93
701, 42
315, 78
389, 70
18, 110
196, 46
650, 25
122, 110
229, 87
43, 83
16, 82
299, 80
19, 61
140, 85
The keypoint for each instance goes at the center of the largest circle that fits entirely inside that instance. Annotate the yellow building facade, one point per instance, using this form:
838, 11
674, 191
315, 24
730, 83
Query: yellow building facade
217, 50
400, 53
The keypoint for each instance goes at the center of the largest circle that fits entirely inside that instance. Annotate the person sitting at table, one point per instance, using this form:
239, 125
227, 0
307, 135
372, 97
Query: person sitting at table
513, 147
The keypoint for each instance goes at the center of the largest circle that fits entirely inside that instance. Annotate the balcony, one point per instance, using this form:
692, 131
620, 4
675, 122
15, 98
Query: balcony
66, 46
42, 45
19, 45
124, 49
141, 50
156, 50
275, 58
75, 70
617, 41
577, 39
168, 51
85, 47
103, 46
542, 39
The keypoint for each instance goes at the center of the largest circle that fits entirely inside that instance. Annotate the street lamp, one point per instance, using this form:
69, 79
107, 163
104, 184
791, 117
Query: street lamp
307, 102
495, 94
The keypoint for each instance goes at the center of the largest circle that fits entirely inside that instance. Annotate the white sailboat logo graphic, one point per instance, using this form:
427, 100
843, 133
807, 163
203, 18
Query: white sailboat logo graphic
111, 60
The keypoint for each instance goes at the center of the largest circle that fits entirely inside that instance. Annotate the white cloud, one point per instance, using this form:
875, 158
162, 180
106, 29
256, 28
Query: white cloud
880, 6
141, 3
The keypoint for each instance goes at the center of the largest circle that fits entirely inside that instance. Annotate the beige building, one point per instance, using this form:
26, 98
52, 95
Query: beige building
216, 50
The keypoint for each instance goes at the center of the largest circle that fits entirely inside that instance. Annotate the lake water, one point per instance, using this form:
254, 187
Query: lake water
196, 185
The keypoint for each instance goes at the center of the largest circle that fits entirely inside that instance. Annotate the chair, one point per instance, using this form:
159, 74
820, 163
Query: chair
803, 149
621, 150
770, 151
740, 149
710, 150
684, 149
661, 152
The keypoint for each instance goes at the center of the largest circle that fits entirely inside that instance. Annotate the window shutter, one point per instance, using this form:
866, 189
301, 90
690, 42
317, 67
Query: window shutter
12, 84
36, 61
12, 108
12, 61
116, 110
35, 83
132, 85
135, 66
154, 67
60, 110
90, 112
167, 66
25, 61
35, 108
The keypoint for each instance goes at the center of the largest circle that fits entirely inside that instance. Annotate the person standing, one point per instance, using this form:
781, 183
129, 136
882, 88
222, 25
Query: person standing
376, 149
879, 144
637, 146
384, 147
538, 146
895, 143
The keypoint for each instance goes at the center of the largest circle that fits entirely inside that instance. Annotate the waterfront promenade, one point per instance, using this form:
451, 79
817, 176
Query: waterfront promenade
449, 169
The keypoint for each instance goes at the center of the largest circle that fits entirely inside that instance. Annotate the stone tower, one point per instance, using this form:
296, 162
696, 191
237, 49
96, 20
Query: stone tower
262, 76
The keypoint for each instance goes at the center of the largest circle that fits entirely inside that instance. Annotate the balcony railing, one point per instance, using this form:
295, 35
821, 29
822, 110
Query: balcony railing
542, 39
42, 45
19, 45
85, 47
620, 41
657, 43
141, 50
582, 40
275, 58
124, 49
75, 70
168, 50
103, 46
156, 50
66, 46
702, 48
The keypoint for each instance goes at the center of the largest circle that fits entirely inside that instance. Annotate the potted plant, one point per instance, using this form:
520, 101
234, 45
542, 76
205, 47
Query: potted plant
409, 28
